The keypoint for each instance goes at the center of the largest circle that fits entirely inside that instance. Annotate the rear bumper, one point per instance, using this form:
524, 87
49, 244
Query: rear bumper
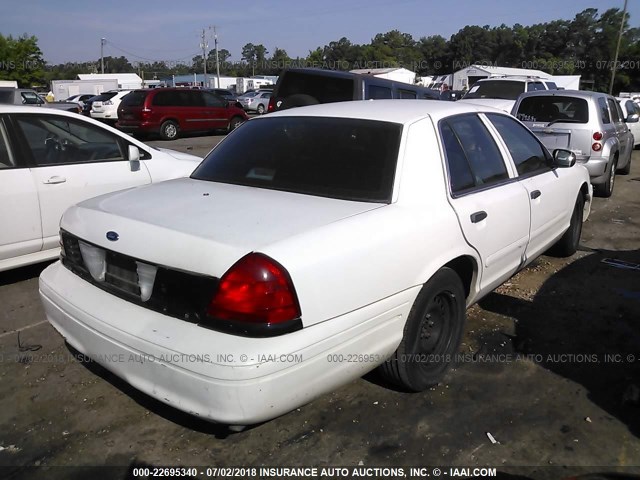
217, 376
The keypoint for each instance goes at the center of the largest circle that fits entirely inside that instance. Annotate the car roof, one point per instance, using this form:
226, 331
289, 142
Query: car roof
396, 111
564, 93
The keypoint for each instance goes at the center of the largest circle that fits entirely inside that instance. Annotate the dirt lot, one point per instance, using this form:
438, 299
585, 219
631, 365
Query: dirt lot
550, 367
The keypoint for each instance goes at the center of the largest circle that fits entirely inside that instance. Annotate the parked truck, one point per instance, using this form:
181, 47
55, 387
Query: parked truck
25, 96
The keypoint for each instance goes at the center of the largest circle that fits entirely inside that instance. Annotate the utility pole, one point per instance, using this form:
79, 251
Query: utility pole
615, 59
204, 45
215, 35
102, 42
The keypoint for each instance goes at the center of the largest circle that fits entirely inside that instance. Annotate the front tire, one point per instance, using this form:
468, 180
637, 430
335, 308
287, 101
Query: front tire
169, 130
260, 109
234, 123
570, 241
432, 334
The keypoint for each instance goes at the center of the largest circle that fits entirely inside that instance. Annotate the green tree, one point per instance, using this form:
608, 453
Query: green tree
21, 60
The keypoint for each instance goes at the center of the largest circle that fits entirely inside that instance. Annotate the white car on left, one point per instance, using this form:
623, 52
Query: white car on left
50, 160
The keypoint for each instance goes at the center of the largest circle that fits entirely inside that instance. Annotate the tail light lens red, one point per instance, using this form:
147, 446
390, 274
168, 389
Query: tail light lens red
596, 147
145, 113
257, 290
597, 136
272, 104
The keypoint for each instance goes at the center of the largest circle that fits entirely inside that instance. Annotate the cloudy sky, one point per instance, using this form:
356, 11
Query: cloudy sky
70, 30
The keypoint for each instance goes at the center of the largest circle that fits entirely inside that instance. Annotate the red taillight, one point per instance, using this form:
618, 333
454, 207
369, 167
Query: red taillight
596, 147
256, 289
597, 136
272, 104
145, 113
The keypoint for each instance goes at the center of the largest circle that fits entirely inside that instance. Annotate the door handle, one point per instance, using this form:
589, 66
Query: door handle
535, 194
55, 179
478, 216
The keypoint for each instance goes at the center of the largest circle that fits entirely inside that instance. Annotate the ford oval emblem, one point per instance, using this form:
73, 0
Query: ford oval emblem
112, 236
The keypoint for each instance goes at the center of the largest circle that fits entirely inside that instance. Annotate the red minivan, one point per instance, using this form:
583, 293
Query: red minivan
170, 111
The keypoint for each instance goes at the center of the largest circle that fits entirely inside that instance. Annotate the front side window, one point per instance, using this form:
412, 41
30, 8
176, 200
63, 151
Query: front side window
533, 86
613, 107
342, 158
214, 101
406, 94
56, 140
480, 151
526, 152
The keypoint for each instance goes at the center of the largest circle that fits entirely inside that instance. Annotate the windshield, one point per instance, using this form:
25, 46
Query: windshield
342, 158
103, 97
556, 109
502, 89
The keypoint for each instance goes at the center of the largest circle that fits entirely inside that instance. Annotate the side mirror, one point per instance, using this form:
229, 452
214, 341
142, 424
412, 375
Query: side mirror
134, 158
563, 158
633, 118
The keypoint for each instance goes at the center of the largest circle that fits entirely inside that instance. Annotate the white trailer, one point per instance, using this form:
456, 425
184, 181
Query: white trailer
63, 89
8, 83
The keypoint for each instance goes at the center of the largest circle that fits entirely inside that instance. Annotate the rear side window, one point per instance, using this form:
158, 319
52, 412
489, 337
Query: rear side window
480, 150
526, 152
552, 86
323, 88
604, 111
377, 92
553, 108
166, 98
6, 157
341, 158
134, 99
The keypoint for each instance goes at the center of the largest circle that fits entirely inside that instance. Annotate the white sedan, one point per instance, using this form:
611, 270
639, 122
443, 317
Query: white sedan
50, 160
311, 246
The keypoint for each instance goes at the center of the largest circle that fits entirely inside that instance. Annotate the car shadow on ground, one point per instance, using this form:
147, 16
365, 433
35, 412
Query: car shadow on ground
186, 420
23, 273
583, 323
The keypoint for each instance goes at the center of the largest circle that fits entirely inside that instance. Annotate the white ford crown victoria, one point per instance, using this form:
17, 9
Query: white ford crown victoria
50, 160
311, 246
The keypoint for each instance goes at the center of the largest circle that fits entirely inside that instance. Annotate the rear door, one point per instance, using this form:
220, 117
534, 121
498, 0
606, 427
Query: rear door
550, 191
492, 207
73, 160
21, 232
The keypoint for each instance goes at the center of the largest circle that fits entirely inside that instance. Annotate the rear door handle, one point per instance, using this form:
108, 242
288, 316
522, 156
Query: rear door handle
55, 179
478, 216
535, 194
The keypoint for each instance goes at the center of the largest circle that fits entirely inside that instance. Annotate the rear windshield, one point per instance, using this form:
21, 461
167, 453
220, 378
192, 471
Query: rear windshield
554, 109
6, 97
134, 99
104, 96
503, 89
323, 88
342, 158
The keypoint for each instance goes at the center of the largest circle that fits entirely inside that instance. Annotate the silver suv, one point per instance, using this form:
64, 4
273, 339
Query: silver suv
590, 124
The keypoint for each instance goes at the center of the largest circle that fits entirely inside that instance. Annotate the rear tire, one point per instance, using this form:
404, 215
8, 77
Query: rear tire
432, 334
605, 189
169, 130
570, 241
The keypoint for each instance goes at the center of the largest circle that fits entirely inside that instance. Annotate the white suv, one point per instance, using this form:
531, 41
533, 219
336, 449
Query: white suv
502, 92
108, 110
